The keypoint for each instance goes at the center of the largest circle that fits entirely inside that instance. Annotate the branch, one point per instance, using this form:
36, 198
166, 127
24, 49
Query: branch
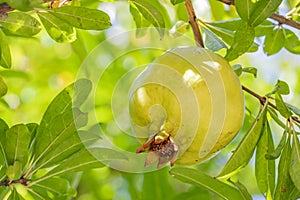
193, 22
22, 180
263, 101
279, 18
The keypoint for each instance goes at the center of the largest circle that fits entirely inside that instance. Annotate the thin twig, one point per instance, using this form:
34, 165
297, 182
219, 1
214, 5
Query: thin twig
193, 22
263, 101
279, 18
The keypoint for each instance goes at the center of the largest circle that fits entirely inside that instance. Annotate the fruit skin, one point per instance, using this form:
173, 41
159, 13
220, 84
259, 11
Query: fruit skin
201, 124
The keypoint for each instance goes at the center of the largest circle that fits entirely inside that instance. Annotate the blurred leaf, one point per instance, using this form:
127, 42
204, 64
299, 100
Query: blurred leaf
179, 28
83, 18
295, 194
16, 144
157, 184
265, 169
174, 2
295, 161
19, 23
152, 13
251, 70
242, 41
82, 89
212, 42
57, 29
284, 182
201, 180
243, 190
282, 108
293, 109
140, 21
15, 74
238, 69
274, 116
245, 149
24, 5
3, 87
5, 60
230, 24
291, 41
271, 155
274, 42
255, 12
196, 193
217, 10
23, 192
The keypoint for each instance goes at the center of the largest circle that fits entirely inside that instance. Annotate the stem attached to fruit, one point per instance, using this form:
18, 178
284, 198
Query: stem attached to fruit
193, 22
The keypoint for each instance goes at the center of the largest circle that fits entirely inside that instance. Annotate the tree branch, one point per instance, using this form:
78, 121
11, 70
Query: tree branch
193, 22
263, 101
279, 18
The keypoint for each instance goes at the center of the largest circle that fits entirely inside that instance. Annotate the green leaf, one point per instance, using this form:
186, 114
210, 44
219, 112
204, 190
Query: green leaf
201, 180
14, 172
243, 190
19, 23
52, 188
282, 108
57, 29
295, 161
174, 2
17, 143
238, 69
24, 5
151, 13
83, 18
276, 153
255, 12
251, 70
230, 24
212, 42
293, 109
5, 60
265, 28
23, 192
140, 22
3, 128
265, 169
179, 28
58, 128
245, 149
282, 87
291, 41
274, 42
3, 87
242, 41
284, 182
15, 74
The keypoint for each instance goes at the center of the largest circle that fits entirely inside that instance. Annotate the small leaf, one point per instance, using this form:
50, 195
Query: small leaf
196, 177
17, 143
284, 182
24, 5
5, 60
251, 70
57, 29
282, 87
245, 149
295, 161
282, 108
291, 41
243, 39
3, 87
23, 191
179, 28
244, 8
230, 24
83, 18
265, 169
293, 109
238, 69
14, 171
19, 23
212, 42
264, 28
274, 42
151, 13
276, 153
174, 2
274, 116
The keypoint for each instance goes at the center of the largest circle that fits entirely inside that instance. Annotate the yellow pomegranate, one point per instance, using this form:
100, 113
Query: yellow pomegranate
188, 103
